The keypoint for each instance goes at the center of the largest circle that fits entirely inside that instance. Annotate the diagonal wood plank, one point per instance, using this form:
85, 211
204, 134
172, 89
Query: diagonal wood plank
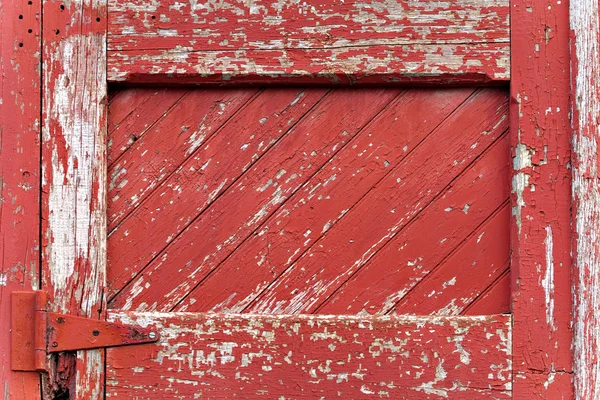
418, 249
121, 103
169, 236
467, 273
202, 178
495, 300
159, 152
224, 356
236, 214
384, 211
325, 199
146, 107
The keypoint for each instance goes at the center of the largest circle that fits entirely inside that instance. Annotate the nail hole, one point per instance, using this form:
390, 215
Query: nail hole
57, 31
153, 17
20, 44
98, 19
26, 174
60, 320
20, 17
54, 344
95, 332
30, 2
29, 30
62, 6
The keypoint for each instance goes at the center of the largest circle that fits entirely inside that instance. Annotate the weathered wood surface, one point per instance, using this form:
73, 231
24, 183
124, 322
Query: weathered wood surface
541, 231
20, 25
73, 179
585, 95
262, 356
291, 179
329, 41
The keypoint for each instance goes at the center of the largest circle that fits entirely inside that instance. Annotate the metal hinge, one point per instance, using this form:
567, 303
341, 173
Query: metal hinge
35, 332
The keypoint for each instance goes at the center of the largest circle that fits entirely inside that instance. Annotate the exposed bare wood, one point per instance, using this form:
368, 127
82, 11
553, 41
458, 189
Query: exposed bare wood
262, 356
541, 199
74, 177
329, 41
585, 96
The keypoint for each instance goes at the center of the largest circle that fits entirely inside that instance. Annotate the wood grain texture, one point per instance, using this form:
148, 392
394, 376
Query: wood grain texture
20, 30
267, 192
541, 232
263, 356
585, 96
325, 42
73, 180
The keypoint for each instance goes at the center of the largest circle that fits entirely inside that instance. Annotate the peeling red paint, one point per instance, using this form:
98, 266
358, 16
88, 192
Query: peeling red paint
186, 228
324, 42
541, 232
330, 43
19, 176
264, 356
73, 181
585, 100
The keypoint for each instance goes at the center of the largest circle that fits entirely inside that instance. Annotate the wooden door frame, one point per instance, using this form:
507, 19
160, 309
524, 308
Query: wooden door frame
54, 97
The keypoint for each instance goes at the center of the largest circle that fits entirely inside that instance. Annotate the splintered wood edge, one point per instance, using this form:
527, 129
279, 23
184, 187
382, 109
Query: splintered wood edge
585, 89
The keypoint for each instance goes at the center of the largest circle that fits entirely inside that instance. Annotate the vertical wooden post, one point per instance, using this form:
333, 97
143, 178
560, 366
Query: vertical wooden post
74, 177
585, 92
541, 233
19, 174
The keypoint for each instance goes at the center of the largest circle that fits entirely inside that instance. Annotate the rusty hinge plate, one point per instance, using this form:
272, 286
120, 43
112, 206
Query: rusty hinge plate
35, 332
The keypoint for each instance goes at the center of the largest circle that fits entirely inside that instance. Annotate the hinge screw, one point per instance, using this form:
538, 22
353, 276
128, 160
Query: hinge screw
95, 332
152, 335
54, 344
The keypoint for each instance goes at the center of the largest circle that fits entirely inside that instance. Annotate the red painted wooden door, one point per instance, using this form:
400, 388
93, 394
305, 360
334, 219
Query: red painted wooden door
310, 242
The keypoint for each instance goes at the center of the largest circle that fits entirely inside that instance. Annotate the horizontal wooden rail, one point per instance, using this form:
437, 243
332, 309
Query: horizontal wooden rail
331, 41
309, 356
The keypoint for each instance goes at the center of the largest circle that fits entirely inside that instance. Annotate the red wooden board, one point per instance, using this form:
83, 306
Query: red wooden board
541, 247
259, 356
308, 200
20, 90
327, 41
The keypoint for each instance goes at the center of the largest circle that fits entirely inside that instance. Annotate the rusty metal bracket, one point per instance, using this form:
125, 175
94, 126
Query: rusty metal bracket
36, 332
